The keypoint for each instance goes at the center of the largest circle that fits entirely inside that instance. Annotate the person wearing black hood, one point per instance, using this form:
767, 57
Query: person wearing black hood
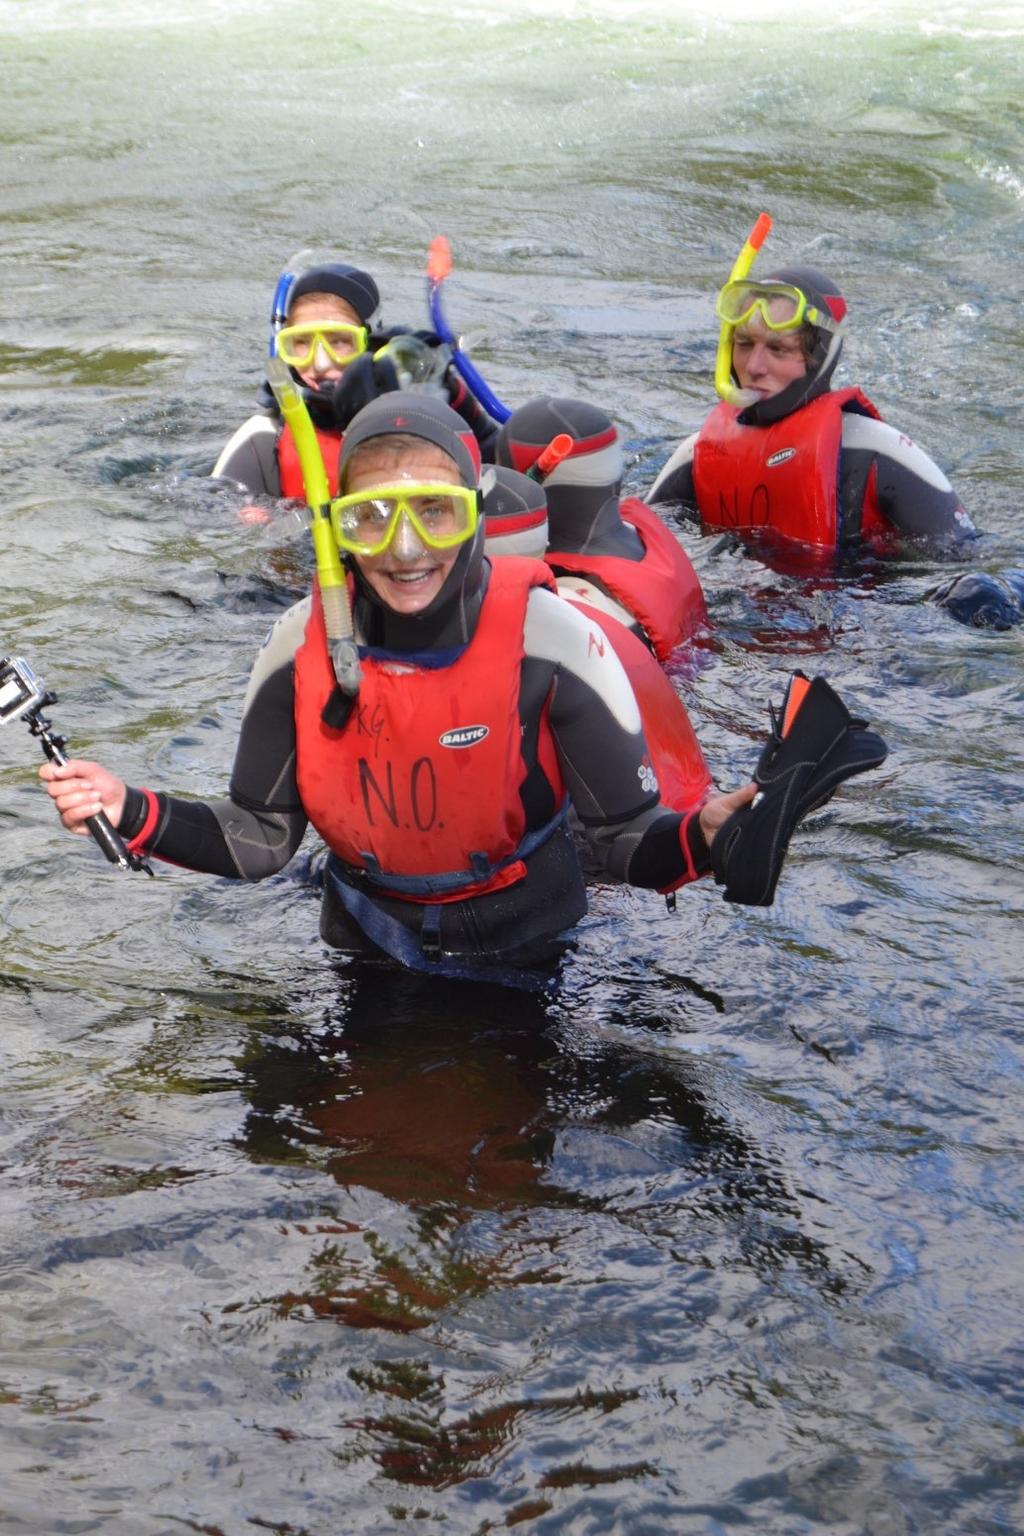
486, 705
788, 461
322, 321
609, 549
326, 326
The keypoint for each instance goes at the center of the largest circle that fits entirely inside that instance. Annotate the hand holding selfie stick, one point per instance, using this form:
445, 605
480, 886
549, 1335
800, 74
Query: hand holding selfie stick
23, 697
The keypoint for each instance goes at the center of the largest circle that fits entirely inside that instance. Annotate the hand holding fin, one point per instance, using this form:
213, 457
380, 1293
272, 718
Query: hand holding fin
815, 744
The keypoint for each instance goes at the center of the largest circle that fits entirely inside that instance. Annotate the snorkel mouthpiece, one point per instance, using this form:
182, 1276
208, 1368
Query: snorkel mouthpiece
725, 386
345, 659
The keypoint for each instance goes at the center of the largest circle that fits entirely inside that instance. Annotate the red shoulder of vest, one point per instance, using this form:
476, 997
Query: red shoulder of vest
661, 591
290, 470
672, 745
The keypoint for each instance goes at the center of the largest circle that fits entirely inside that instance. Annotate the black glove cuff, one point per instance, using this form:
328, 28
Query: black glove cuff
133, 817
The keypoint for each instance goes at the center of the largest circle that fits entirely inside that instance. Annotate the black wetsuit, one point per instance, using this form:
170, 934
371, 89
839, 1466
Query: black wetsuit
914, 496
596, 728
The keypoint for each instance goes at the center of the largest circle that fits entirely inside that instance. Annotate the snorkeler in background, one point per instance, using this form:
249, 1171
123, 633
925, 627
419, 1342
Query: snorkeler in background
322, 321
326, 327
787, 461
612, 551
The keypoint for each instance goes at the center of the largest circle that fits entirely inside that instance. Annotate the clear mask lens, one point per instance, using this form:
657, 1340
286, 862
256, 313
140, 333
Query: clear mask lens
441, 516
781, 307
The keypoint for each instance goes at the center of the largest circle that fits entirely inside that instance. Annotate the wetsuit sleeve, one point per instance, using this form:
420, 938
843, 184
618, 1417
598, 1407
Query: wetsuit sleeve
913, 495
483, 426
600, 743
250, 457
675, 482
256, 829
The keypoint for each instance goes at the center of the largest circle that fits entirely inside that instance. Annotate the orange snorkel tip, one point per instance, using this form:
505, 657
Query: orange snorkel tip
550, 457
439, 266
760, 231
439, 259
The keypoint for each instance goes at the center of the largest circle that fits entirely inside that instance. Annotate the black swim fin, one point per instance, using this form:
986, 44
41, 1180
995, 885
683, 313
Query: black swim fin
815, 744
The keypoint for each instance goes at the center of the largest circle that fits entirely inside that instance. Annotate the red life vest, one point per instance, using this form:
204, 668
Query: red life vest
661, 591
672, 745
422, 784
289, 468
784, 478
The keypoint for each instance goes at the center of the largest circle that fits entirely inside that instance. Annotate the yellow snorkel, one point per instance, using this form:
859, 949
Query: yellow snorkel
726, 388
329, 569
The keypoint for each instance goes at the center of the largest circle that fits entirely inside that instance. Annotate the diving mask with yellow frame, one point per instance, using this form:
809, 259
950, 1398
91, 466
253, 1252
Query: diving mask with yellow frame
339, 342
442, 516
781, 306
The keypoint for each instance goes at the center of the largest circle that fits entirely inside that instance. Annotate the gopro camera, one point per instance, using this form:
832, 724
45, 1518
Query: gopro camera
21, 691
23, 696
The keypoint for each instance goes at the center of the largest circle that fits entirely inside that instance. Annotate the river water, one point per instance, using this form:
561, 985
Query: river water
725, 1235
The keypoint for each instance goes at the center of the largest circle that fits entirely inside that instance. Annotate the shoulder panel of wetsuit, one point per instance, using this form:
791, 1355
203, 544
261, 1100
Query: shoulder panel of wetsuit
596, 597
675, 479
250, 457
278, 649
878, 437
559, 633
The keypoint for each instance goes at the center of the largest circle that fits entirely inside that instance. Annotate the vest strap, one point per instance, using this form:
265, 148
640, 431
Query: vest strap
481, 870
424, 954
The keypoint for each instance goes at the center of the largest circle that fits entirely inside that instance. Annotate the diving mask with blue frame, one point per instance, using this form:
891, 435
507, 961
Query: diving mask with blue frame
441, 515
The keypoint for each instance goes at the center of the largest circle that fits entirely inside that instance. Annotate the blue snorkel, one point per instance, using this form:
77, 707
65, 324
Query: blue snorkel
439, 266
290, 274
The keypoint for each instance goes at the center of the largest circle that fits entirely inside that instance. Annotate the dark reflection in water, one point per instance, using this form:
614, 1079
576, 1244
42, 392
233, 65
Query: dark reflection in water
502, 1138
450, 1098
423, 1090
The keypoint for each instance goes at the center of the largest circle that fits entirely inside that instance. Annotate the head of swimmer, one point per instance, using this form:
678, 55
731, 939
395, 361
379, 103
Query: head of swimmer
766, 361
409, 574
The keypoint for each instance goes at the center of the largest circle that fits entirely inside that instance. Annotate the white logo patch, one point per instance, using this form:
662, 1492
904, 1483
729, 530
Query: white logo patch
464, 736
648, 781
780, 457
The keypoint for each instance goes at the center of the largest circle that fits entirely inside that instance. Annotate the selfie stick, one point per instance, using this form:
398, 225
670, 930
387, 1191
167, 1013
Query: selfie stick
22, 697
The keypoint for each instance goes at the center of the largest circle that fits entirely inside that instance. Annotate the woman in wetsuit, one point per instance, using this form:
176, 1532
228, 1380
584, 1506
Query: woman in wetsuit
326, 327
486, 705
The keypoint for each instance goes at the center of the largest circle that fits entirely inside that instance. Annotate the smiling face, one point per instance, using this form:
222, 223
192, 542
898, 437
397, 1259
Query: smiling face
408, 575
766, 361
307, 309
